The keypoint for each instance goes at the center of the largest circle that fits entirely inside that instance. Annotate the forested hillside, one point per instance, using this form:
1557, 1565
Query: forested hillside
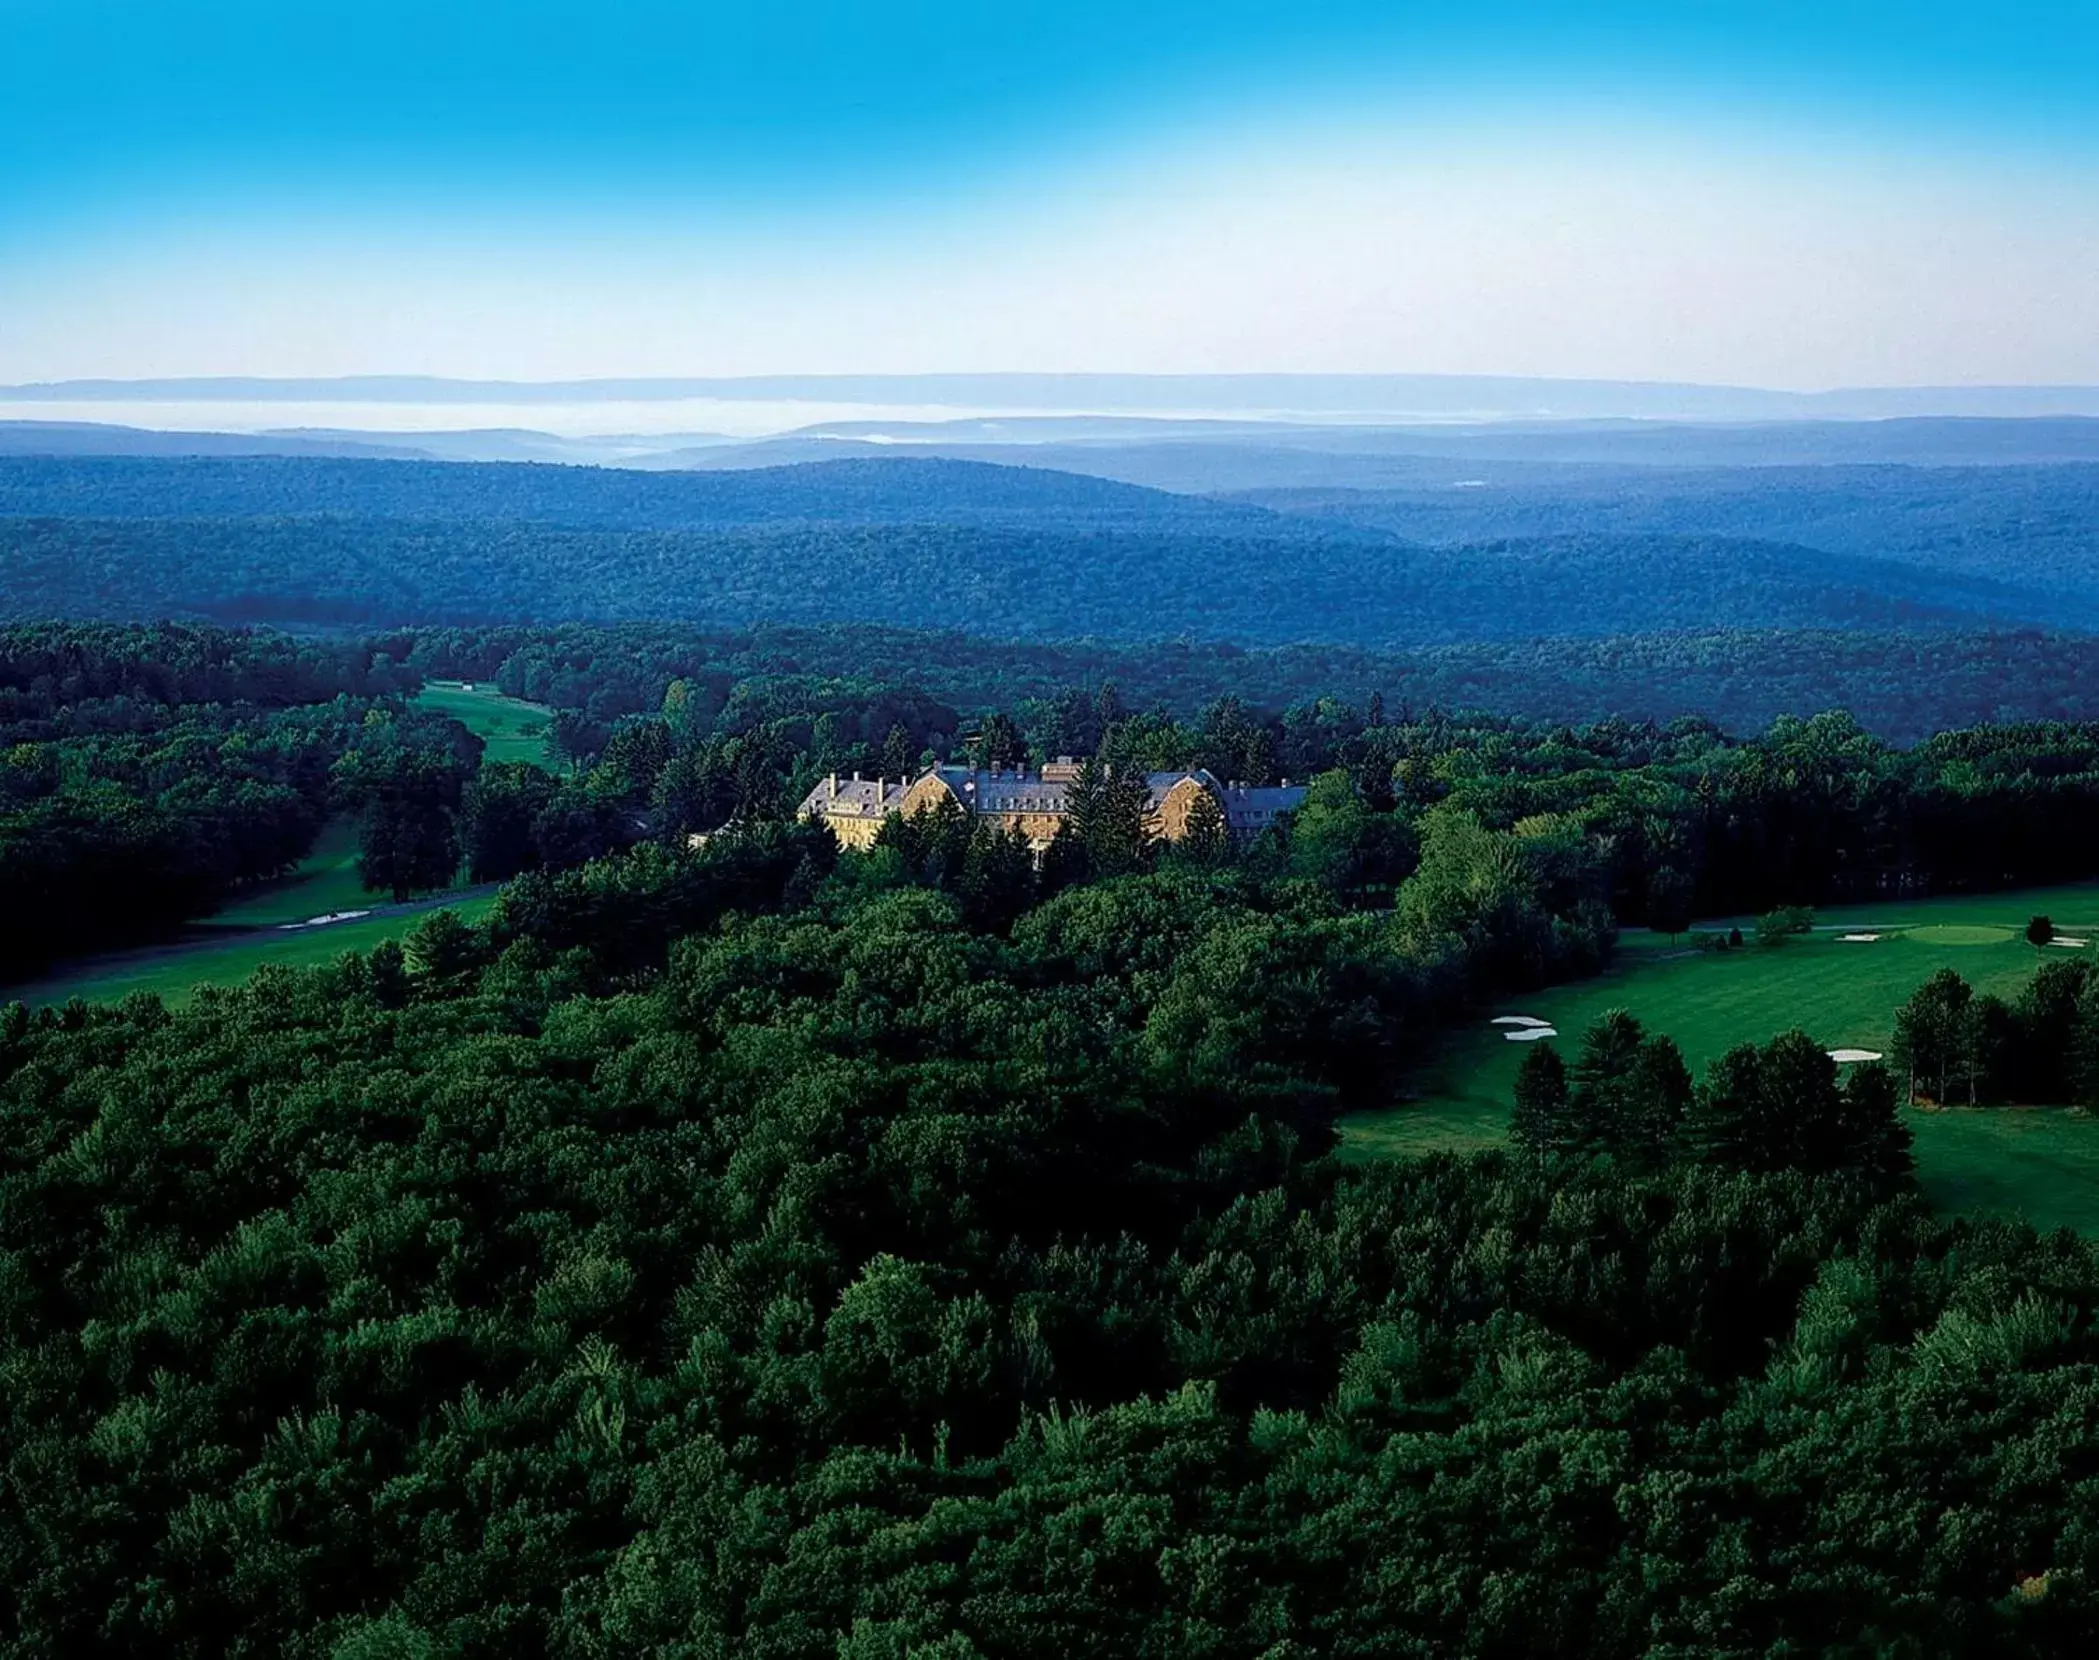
755, 1251
854, 492
1904, 687
2036, 526
753, 1248
995, 550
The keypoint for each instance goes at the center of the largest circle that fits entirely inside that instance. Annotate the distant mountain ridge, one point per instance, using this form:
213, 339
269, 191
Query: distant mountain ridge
1025, 552
1436, 396
887, 490
1188, 456
79, 438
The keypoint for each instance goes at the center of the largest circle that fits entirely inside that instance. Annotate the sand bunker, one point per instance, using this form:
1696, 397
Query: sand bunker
2070, 945
323, 921
1861, 937
1530, 1034
1517, 1020
1842, 1055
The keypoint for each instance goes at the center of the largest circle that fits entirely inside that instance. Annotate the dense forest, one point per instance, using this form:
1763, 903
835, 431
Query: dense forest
764, 1251
1901, 687
998, 550
749, 1248
146, 775
2030, 525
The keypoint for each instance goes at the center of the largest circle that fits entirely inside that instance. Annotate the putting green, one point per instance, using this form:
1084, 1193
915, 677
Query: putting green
1959, 933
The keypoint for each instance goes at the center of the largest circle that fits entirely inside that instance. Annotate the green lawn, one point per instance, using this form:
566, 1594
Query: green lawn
513, 729
325, 882
2044, 1164
175, 971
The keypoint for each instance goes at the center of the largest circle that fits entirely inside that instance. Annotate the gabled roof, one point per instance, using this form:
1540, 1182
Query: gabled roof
854, 797
1256, 806
984, 791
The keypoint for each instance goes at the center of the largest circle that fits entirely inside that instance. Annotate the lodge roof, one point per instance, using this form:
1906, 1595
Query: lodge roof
987, 790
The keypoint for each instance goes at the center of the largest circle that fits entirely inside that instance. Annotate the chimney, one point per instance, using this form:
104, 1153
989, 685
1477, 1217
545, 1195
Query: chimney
834, 786
856, 778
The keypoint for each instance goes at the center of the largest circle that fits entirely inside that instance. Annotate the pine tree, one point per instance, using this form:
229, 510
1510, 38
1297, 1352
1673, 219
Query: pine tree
1657, 1100
1064, 862
1206, 840
1873, 1137
998, 745
998, 877
1108, 806
802, 884
1727, 1122
1539, 1123
899, 758
1600, 1099
1803, 1110
1669, 899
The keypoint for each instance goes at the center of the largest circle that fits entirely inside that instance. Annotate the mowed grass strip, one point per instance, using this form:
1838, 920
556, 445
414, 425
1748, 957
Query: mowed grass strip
325, 882
513, 729
2043, 1164
175, 971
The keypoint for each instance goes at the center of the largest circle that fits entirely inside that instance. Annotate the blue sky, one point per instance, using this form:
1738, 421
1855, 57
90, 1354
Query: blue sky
539, 189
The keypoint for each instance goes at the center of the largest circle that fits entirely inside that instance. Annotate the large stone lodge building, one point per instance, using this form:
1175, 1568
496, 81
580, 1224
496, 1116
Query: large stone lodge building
1038, 802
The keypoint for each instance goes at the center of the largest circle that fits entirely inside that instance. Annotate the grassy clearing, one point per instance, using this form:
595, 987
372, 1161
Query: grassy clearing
326, 882
513, 729
176, 971
2040, 1163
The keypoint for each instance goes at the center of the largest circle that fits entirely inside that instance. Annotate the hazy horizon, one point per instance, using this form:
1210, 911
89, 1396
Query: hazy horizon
766, 406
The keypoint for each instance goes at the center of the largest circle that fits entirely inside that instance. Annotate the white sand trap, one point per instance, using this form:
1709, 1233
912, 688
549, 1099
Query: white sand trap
1861, 938
2070, 945
1517, 1020
1842, 1055
323, 921
1530, 1034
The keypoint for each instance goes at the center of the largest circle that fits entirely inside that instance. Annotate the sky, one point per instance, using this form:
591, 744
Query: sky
1778, 194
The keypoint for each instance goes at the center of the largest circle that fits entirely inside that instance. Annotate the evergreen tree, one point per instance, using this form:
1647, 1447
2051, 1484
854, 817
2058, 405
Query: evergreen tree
1994, 1045
496, 818
1207, 839
1872, 1135
802, 885
1803, 1111
2048, 1028
1668, 901
1727, 1122
1108, 807
899, 754
1601, 1102
1657, 1100
998, 745
998, 877
406, 844
440, 953
1064, 862
1107, 709
1540, 1122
